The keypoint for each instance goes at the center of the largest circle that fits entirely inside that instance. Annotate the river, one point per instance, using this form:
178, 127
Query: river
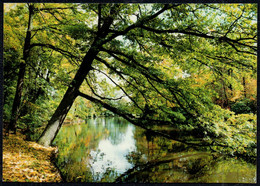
114, 150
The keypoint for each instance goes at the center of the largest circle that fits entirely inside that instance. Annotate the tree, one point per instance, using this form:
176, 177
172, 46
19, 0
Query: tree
130, 41
156, 65
39, 67
20, 82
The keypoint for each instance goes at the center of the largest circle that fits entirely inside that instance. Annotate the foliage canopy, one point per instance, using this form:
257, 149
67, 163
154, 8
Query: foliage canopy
183, 66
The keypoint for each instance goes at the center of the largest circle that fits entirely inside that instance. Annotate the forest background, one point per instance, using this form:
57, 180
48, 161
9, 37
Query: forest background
190, 67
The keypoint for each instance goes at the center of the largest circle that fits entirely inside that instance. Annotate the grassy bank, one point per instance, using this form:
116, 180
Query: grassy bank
26, 161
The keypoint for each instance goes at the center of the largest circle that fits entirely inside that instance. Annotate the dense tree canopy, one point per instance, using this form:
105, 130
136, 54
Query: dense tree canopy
190, 67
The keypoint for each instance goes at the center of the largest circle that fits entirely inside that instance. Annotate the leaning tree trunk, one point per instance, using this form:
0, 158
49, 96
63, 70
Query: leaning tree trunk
72, 92
56, 121
22, 67
58, 117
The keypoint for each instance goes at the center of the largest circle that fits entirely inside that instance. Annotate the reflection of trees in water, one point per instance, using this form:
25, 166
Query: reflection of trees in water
154, 160
192, 167
76, 141
155, 146
108, 174
116, 127
178, 168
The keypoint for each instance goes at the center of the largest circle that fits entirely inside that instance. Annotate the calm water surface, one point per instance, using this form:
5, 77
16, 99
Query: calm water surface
114, 150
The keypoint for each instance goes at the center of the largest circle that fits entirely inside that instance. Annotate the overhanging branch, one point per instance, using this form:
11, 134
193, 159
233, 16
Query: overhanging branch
120, 74
229, 41
120, 89
138, 121
139, 22
103, 98
64, 52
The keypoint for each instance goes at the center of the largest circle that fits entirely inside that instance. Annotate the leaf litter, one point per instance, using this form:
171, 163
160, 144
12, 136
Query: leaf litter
27, 161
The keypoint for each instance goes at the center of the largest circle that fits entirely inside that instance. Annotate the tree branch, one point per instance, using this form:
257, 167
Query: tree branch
143, 70
99, 16
139, 23
64, 52
230, 28
120, 89
136, 121
222, 38
103, 98
58, 8
120, 74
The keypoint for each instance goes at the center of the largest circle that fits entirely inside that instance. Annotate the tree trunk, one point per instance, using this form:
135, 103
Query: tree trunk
20, 81
230, 85
244, 85
58, 117
17, 98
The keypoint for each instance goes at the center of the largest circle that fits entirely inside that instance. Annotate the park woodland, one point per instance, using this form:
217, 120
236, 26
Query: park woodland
129, 92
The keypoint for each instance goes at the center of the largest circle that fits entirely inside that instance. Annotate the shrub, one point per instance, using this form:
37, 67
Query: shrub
244, 106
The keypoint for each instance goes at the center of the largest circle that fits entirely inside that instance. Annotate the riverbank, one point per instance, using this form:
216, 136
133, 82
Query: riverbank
27, 161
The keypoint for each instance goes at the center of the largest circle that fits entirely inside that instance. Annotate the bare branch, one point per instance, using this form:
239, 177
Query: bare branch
120, 88
120, 74
103, 98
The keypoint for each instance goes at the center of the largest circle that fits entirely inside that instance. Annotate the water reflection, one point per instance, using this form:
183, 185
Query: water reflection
112, 152
111, 149
90, 152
